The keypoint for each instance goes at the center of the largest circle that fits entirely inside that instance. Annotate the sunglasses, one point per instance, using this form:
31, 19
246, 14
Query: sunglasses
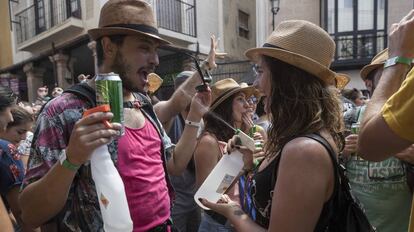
253, 100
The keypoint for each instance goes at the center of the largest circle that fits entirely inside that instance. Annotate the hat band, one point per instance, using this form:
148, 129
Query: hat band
138, 27
268, 45
224, 94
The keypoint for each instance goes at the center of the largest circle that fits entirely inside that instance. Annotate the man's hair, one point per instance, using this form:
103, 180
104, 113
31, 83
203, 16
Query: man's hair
20, 116
213, 125
374, 76
7, 97
116, 39
300, 104
351, 94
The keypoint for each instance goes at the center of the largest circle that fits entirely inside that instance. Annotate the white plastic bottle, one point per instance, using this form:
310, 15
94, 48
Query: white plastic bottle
111, 192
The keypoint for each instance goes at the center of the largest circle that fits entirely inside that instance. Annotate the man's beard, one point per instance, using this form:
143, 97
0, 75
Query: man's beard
121, 68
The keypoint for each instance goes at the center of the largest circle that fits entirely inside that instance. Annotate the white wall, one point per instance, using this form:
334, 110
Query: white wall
208, 21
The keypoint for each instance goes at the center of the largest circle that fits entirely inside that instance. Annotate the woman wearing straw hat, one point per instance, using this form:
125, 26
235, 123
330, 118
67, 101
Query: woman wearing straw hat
293, 186
230, 105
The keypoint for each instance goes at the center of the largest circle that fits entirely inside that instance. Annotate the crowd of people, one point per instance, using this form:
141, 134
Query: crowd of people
298, 111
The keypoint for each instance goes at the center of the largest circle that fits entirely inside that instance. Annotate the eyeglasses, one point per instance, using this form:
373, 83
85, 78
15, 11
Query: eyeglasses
253, 100
255, 68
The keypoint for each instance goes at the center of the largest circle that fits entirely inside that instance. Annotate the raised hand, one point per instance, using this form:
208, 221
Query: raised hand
200, 103
211, 59
401, 37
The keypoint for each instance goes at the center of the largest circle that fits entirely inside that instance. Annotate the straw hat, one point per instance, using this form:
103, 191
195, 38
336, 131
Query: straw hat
223, 89
127, 17
256, 92
377, 62
301, 44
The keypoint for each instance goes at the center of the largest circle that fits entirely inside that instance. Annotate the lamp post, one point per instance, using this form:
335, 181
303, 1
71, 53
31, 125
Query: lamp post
275, 9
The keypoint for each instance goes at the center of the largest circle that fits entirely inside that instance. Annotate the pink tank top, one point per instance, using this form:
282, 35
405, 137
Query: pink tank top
141, 169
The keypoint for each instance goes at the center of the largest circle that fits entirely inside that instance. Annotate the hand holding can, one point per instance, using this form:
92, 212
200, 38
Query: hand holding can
355, 128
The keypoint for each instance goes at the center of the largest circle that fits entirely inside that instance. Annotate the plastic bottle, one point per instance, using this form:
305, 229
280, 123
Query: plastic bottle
111, 192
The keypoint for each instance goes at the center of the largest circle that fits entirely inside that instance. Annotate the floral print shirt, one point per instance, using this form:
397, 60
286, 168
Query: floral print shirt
11, 168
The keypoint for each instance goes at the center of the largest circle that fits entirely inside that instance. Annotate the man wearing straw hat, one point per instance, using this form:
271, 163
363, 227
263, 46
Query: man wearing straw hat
61, 195
384, 181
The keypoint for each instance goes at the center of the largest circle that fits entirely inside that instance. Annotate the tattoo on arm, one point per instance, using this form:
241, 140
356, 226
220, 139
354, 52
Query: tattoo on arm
237, 211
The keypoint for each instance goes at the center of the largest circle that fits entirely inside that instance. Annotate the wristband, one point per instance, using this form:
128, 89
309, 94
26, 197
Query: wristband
397, 59
67, 164
193, 124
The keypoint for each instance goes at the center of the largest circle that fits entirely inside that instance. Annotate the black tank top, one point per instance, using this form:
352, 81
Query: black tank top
265, 181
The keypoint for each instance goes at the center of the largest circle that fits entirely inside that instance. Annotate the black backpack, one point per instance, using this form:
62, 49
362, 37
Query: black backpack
348, 214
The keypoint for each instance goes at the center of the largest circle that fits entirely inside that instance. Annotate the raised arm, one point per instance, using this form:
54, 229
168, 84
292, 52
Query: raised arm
181, 98
375, 129
186, 145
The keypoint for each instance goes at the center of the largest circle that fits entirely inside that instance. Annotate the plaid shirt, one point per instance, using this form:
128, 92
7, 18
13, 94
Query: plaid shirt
51, 137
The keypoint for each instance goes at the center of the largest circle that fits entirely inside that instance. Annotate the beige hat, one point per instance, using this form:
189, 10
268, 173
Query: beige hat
223, 89
377, 62
301, 44
127, 17
256, 92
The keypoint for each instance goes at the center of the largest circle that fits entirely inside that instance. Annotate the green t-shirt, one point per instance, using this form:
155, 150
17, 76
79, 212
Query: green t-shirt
382, 189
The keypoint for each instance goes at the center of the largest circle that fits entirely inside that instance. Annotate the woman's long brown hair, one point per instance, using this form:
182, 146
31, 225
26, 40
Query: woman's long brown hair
300, 104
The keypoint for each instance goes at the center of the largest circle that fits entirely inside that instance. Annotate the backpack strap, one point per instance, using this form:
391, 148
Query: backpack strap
84, 91
148, 109
81, 90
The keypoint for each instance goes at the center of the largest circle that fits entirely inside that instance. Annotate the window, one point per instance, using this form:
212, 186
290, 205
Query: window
358, 28
40, 16
243, 24
75, 9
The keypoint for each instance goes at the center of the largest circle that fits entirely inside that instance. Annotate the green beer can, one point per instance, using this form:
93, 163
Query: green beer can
109, 91
355, 128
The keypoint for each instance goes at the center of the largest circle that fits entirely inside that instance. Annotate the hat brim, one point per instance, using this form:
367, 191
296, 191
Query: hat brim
97, 33
249, 91
309, 65
366, 70
342, 80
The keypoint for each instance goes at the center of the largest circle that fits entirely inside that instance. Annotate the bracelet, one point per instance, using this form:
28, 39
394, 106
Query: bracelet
193, 124
397, 59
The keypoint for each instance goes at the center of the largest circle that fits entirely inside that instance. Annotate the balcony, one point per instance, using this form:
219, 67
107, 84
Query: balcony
357, 49
176, 18
46, 21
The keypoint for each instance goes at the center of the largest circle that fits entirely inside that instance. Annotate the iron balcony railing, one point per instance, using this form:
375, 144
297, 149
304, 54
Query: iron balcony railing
359, 48
176, 15
43, 15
